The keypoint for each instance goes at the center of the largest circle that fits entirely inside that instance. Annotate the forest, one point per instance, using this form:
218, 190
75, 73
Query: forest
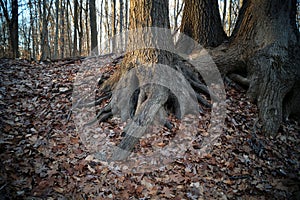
149, 99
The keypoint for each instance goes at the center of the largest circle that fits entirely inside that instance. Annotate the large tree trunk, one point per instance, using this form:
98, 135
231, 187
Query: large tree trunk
266, 32
201, 21
265, 44
145, 13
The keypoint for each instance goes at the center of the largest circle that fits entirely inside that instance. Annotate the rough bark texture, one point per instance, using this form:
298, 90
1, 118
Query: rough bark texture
265, 46
201, 21
267, 32
151, 98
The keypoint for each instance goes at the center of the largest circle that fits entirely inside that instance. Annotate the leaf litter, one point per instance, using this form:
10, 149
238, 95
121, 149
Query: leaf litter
43, 157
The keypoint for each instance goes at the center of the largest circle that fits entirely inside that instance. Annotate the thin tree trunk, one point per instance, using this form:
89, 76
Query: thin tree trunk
121, 25
44, 33
113, 23
229, 20
100, 24
13, 26
93, 23
87, 26
62, 34
106, 25
56, 29
69, 9
126, 21
75, 50
33, 32
80, 27
224, 14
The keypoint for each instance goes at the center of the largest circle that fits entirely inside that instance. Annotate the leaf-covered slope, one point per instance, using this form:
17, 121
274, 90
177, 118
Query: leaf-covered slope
42, 156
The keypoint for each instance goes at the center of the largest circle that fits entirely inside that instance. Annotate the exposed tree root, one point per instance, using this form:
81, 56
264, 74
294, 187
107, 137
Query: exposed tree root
146, 103
96, 102
239, 79
146, 112
103, 115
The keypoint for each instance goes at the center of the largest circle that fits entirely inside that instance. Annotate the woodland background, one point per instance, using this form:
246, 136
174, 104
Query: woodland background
58, 29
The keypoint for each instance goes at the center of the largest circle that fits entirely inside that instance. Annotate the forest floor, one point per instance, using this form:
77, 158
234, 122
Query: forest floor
43, 157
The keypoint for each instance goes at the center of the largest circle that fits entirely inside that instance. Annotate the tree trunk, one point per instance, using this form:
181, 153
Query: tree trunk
107, 25
121, 25
62, 33
69, 9
126, 20
145, 13
33, 32
267, 31
14, 29
75, 50
80, 27
113, 23
100, 23
13, 26
93, 24
224, 14
45, 34
56, 29
87, 26
265, 43
201, 21
229, 19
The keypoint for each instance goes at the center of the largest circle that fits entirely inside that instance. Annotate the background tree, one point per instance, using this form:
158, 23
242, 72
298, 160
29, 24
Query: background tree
93, 22
201, 21
76, 27
13, 25
56, 28
45, 33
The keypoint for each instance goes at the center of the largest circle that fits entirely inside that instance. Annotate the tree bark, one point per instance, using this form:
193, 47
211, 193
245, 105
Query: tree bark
45, 34
13, 26
113, 23
62, 33
267, 30
201, 21
265, 44
87, 26
80, 27
145, 13
93, 24
75, 49
56, 29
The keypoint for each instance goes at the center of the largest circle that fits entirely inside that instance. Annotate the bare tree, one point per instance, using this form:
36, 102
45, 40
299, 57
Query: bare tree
45, 34
93, 23
13, 25
113, 22
76, 28
56, 29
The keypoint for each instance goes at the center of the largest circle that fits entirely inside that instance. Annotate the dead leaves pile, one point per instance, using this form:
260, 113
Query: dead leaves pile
42, 156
